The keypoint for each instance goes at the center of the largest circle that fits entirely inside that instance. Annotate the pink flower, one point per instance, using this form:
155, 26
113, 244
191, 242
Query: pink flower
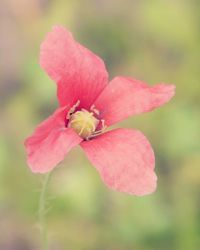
88, 105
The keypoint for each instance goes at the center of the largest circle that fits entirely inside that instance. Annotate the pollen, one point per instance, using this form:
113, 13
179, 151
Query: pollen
84, 123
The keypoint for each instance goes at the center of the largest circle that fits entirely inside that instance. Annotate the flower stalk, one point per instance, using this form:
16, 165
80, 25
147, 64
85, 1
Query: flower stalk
42, 212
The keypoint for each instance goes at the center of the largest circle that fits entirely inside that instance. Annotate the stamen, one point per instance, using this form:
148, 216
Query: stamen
73, 109
98, 132
94, 110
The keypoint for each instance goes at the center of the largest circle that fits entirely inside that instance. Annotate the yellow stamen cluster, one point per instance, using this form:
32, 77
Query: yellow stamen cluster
84, 123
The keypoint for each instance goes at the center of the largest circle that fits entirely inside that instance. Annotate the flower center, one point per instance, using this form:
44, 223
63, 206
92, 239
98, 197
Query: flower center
84, 123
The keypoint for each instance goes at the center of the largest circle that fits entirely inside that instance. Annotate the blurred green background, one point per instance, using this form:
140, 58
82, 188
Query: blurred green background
155, 41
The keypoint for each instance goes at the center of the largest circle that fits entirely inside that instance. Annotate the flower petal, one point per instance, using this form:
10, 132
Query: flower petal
50, 142
80, 74
124, 159
124, 97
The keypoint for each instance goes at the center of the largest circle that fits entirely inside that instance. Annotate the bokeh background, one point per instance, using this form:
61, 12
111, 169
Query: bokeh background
155, 41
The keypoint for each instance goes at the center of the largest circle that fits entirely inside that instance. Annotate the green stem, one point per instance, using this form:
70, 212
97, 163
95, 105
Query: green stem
42, 212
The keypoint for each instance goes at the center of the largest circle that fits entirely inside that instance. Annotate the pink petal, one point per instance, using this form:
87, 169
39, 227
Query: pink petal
124, 159
50, 142
124, 97
80, 74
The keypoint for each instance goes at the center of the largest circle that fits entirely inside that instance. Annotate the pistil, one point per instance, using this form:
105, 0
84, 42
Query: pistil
84, 123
